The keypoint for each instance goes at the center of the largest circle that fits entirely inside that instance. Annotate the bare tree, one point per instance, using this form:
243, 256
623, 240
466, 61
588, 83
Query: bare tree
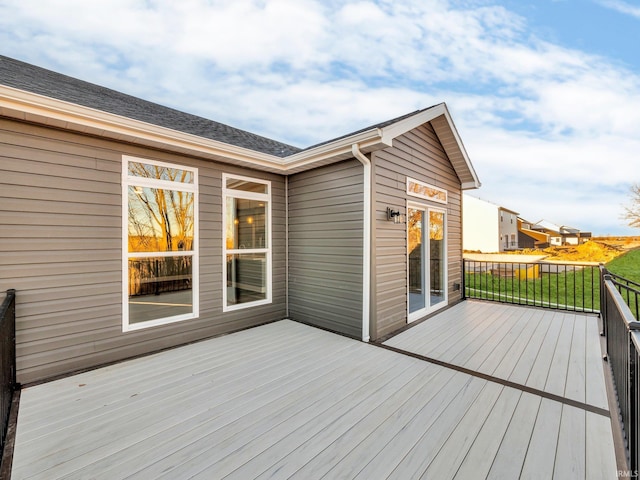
632, 211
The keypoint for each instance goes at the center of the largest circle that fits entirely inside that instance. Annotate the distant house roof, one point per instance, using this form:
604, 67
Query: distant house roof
553, 227
31, 93
495, 205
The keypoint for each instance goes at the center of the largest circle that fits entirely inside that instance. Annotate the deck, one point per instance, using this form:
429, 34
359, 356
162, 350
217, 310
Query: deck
286, 400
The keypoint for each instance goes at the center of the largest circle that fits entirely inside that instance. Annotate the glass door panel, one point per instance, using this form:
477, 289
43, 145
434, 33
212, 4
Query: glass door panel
415, 219
426, 251
437, 254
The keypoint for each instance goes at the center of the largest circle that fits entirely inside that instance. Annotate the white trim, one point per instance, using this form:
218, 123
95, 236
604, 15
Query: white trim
366, 242
37, 108
130, 180
267, 198
427, 185
418, 314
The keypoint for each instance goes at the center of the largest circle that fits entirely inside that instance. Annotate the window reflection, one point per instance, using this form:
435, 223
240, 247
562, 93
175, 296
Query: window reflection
160, 220
246, 278
437, 254
416, 254
247, 186
158, 172
160, 288
246, 224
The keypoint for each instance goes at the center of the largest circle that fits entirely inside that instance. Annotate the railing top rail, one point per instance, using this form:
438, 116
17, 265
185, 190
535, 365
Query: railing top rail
635, 337
623, 308
532, 262
625, 282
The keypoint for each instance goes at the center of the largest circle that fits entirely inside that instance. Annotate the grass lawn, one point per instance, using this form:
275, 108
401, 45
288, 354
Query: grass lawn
627, 265
575, 289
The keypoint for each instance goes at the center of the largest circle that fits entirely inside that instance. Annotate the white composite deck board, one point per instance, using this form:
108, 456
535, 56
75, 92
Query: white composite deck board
286, 400
365, 438
163, 392
232, 370
391, 441
94, 435
472, 429
548, 350
438, 330
240, 414
145, 372
600, 464
240, 447
493, 329
570, 461
444, 461
262, 452
363, 416
509, 459
480, 457
539, 462
419, 442
556, 375
516, 348
576, 384
503, 359
522, 370
596, 393
456, 343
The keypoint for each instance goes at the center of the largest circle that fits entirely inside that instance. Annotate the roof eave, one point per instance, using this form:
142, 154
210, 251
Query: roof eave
35, 108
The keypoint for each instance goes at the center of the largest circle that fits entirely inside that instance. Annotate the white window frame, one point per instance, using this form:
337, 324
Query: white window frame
130, 180
265, 197
426, 185
418, 314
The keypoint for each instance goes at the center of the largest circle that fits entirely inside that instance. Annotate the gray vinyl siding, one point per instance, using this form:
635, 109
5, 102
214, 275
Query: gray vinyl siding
61, 249
417, 154
325, 247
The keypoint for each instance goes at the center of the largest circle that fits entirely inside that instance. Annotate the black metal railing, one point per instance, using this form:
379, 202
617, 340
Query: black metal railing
629, 290
7, 361
622, 331
574, 287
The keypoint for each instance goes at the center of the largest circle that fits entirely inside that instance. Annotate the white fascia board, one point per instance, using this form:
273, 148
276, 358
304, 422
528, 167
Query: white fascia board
470, 185
454, 131
49, 111
367, 141
403, 126
29, 103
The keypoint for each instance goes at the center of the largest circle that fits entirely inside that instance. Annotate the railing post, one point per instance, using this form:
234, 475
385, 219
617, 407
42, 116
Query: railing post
604, 275
7, 361
464, 277
632, 399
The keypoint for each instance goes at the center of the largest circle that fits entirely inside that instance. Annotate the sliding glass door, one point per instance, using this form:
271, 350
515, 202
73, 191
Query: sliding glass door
427, 269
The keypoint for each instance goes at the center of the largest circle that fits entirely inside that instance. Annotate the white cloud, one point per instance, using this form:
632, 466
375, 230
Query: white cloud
302, 71
620, 6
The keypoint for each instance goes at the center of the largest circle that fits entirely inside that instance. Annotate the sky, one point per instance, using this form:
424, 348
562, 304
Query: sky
545, 94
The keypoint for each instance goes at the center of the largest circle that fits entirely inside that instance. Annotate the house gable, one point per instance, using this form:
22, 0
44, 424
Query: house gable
64, 207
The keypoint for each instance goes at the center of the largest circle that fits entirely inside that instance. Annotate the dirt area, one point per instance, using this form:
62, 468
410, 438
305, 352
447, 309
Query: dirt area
596, 250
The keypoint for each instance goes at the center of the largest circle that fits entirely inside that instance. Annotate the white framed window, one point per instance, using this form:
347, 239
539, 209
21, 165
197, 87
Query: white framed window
246, 242
419, 189
160, 268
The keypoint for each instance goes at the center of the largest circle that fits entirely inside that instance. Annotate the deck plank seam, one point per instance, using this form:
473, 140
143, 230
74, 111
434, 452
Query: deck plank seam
501, 381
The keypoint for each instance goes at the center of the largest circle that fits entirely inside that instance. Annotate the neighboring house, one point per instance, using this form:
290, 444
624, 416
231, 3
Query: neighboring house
128, 227
561, 234
529, 238
487, 227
